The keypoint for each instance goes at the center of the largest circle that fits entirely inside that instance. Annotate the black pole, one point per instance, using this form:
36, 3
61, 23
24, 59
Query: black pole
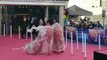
103, 21
100, 3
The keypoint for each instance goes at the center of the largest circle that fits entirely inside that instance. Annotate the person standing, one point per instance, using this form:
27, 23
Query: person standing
23, 27
99, 25
58, 42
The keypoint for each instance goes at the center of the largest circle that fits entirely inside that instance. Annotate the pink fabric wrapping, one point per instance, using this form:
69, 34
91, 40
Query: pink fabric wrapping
54, 41
58, 42
44, 46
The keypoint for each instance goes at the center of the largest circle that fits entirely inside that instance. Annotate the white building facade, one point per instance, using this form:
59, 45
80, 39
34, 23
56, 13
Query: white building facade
94, 6
46, 4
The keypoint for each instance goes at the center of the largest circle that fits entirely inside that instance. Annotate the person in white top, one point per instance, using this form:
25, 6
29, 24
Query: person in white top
42, 44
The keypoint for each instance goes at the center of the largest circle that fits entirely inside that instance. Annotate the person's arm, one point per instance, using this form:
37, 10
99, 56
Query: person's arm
31, 29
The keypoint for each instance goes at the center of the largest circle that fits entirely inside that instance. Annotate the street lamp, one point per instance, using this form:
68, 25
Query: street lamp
103, 11
103, 16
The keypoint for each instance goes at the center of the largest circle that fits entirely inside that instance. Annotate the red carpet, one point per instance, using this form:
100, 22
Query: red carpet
7, 44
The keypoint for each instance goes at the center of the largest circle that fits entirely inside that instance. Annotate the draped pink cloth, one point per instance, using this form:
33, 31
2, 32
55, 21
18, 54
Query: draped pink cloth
43, 43
49, 39
58, 42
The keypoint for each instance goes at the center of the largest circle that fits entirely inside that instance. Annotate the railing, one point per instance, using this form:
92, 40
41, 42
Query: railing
32, 0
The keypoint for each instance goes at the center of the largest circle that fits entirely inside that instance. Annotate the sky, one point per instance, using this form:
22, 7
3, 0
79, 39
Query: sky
87, 5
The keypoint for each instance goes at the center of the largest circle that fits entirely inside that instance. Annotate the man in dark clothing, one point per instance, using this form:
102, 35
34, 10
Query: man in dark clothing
23, 27
99, 25
35, 22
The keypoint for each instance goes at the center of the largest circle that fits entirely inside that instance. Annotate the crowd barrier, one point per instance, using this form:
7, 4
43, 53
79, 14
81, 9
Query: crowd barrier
19, 32
92, 35
81, 32
105, 37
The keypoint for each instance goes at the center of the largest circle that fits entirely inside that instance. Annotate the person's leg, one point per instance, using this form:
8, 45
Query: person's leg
22, 33
35, 33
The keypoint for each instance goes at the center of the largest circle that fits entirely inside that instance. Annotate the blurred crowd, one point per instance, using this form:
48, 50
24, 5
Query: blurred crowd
85, 24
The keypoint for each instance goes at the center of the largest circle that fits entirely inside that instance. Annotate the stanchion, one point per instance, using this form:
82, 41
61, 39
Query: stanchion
71, 43
82, 42
26, 33
77, 40
66, 40
85, 51
10, 31
31, 37
99, 42
4, 30
96, 37
19, 32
